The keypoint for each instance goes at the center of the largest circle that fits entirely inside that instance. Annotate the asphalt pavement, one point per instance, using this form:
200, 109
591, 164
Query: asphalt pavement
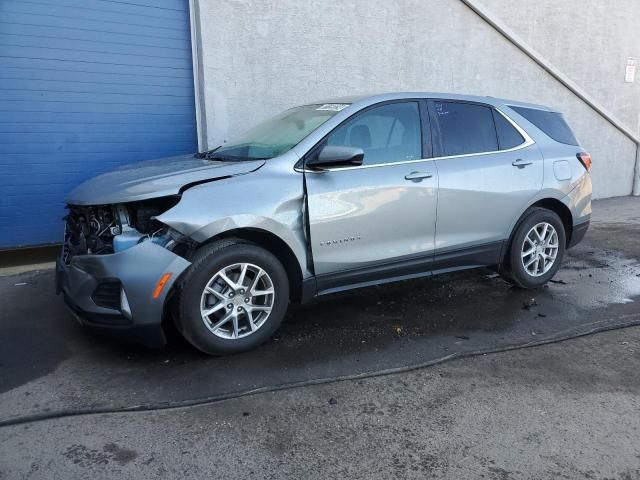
562, 410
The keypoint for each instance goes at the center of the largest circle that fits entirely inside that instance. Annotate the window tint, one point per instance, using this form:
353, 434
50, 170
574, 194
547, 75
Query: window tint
508, 136
389, 133
551, 123
465, 128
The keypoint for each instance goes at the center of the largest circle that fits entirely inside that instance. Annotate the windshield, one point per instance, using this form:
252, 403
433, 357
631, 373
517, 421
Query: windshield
279, 134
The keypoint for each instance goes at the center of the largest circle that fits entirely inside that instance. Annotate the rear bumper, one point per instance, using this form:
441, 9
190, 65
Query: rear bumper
578, 232
132, 273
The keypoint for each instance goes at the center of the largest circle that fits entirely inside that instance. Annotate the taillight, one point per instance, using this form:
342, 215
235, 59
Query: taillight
585, 160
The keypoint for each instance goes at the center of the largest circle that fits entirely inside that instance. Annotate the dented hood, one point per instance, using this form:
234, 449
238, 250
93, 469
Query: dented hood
155, 178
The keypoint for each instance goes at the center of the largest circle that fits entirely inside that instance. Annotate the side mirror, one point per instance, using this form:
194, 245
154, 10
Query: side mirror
336, 156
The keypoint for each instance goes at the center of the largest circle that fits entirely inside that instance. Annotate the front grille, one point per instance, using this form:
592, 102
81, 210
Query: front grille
107, 294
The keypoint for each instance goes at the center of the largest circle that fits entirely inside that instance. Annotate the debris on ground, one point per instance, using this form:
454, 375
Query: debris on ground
333, 401
529, 304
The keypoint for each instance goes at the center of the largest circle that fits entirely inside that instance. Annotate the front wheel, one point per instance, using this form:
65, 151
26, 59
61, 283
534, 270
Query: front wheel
536, 249
233, 298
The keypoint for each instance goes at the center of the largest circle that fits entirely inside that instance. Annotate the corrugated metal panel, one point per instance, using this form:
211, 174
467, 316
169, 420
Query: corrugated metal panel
85, 86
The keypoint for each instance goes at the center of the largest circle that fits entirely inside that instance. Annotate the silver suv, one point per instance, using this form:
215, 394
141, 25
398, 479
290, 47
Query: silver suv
325, 197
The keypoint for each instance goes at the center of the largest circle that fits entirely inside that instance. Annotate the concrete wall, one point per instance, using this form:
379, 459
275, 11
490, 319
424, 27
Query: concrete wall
261, 57
589, 40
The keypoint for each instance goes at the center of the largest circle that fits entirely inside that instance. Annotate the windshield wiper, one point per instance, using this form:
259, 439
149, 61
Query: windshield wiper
231, 158
205, 154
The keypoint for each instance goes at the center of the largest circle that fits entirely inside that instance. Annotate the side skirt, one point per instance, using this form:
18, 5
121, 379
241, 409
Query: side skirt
404, 268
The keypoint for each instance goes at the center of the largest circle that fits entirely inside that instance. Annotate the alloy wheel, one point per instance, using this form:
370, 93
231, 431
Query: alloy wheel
540, 249
237, 300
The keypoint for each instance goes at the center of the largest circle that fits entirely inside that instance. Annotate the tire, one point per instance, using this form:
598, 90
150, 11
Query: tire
524, 272
204, 290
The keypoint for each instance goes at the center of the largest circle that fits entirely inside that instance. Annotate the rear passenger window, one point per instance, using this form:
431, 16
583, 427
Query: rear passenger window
508, 136
388, 133
551, 123
465, 128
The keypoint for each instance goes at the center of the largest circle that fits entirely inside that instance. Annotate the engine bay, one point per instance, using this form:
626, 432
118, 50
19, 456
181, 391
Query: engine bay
106, 229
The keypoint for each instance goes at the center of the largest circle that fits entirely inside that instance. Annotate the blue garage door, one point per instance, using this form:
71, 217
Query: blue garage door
86, 86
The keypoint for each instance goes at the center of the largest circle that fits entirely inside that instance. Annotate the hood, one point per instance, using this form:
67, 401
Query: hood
155, 178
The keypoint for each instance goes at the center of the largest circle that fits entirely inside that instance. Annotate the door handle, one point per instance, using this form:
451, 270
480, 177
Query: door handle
417, 176
521, 163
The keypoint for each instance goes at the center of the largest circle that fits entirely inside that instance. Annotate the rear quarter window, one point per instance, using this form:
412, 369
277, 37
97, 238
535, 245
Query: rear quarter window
551, 123
508, 136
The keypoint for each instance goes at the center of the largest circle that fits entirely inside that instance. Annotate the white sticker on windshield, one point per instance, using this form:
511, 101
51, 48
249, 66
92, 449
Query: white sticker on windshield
333, 107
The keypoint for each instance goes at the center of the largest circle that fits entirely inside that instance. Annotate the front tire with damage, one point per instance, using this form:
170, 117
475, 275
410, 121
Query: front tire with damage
233, 297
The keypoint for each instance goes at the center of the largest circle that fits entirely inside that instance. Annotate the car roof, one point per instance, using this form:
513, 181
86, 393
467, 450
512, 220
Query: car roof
369, 99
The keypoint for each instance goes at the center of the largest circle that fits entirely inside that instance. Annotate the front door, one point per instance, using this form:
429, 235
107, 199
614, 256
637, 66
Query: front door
375, 221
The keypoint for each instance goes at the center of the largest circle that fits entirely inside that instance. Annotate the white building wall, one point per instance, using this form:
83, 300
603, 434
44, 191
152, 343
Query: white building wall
589, 40
261, 57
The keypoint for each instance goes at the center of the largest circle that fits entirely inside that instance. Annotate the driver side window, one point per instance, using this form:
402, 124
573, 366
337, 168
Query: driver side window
388, 133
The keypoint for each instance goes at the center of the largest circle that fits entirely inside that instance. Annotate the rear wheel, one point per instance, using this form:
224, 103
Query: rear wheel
537, 248
233, 298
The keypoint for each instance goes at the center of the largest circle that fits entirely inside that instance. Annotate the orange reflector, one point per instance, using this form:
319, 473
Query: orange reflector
161, 283
585, 159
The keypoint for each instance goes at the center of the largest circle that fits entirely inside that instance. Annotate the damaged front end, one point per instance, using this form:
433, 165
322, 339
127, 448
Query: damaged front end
119, 262
118, 265
107, 229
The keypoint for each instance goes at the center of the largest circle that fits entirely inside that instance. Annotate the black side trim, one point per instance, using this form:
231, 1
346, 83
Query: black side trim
403, 268
578, 233
377, 273
471, 257
309, 289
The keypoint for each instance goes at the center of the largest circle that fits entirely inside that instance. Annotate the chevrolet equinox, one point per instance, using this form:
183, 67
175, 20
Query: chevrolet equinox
324, 197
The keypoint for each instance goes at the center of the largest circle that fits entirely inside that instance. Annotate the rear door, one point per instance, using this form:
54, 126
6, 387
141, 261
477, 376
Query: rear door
376, 220
489, 170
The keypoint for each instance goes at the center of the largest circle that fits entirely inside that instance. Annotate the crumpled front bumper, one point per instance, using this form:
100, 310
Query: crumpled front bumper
136, 272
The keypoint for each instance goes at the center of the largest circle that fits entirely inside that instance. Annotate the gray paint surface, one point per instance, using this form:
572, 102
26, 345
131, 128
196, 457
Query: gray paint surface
153, 179
258, 58
138, 269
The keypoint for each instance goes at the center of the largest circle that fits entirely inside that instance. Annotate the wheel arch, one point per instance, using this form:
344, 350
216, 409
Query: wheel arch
561, 210
275, 245
549, 203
